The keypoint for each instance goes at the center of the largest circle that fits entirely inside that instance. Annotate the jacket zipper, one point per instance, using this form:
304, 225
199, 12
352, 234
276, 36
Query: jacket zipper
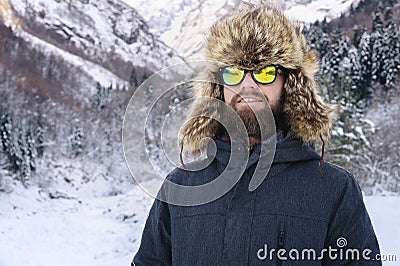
281, 238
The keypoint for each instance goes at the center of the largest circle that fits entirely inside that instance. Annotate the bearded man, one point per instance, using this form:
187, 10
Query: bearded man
305, 211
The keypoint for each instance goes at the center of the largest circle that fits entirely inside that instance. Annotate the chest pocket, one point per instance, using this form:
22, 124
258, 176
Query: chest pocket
296, 237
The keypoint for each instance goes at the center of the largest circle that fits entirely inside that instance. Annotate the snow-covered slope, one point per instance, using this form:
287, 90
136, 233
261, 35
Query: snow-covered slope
105, 39
312, 10
182, 24
106, 231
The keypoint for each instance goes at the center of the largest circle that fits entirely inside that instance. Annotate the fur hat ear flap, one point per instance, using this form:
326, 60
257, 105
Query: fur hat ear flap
201, 123
309, 118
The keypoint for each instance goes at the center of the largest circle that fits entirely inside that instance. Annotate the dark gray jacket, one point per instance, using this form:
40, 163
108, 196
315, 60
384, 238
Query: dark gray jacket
295, 210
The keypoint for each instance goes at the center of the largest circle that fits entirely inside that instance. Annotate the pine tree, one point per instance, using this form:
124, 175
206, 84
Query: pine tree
99, 100
96, 101
361, 5
326, 27
365, 53
8, 142
378, 56
391, 65
39, 133
317, 39
352, 10
133, 79
23, 158
358, 32
336, 62
76, 140
5, 131
355, 77
31, 148
108, 140
148, 93
377, 19
324, 43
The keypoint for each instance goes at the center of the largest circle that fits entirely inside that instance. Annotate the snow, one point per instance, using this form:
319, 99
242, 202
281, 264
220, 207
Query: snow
385, 218
165, 14
37, 230
319, 9
97, 72
183, 24
106, 229
98, 29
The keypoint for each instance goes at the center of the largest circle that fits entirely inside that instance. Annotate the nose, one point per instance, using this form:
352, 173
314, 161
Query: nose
248, 83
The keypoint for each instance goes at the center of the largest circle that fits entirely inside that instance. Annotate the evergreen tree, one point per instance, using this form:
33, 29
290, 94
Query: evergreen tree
326, 27
317, 39
355, 77
378, 56
365, 53
361, 5
391, 65
352, 10
76, 140
5, 131
39, 133
133, 79
108, 140
336, 62
100, 99
8, 144
324, 43
96, 102
23, 158
358, 32
148, 93
377, 20
31, 148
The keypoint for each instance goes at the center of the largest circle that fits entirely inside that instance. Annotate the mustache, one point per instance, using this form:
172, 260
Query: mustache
257, 96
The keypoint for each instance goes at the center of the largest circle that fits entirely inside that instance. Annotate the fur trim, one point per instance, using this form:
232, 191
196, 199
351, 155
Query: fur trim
251, 38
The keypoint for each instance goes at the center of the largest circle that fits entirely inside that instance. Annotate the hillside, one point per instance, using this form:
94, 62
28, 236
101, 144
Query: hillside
67, 71
359, 15
183, 24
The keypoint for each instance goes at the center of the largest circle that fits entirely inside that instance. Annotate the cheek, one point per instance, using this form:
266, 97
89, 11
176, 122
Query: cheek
272, 96
273, 91
228, 94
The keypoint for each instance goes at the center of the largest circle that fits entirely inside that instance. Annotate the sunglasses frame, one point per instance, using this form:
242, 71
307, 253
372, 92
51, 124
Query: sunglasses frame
278, 70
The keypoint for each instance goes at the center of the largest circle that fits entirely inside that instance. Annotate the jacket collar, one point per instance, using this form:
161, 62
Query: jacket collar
288, 149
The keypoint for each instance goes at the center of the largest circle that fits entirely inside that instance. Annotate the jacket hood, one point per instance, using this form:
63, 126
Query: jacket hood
251, 38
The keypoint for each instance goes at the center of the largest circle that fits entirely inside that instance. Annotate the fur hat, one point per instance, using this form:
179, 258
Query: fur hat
251, 38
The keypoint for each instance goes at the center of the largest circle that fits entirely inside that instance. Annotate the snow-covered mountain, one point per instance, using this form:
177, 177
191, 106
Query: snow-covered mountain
116, 41
104, 40
182, 24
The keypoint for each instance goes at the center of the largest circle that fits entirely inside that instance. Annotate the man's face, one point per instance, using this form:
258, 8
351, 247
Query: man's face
246, 97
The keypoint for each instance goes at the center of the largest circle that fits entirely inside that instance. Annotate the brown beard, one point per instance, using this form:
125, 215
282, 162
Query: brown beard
250, 122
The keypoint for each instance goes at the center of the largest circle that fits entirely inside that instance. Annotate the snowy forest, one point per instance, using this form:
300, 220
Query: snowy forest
361, 74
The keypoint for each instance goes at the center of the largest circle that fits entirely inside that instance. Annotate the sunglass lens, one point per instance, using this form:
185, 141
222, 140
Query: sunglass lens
232, 75
265, 75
